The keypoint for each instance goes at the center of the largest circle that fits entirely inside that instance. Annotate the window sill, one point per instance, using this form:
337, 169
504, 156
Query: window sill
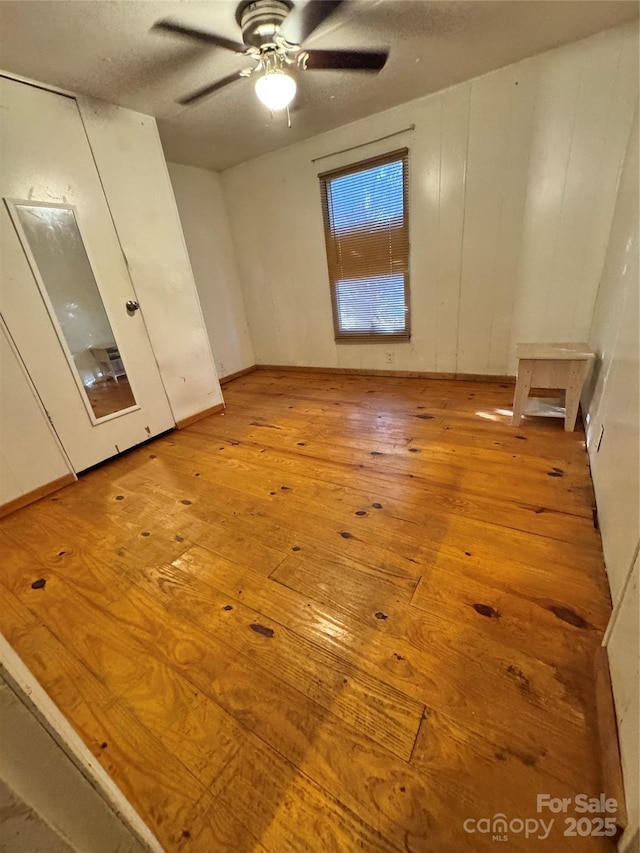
372, 339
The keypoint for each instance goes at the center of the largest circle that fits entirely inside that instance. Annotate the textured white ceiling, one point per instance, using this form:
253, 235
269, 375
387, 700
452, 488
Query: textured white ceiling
104, 48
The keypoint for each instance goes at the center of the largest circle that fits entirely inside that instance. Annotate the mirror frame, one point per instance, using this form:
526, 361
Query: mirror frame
12, 204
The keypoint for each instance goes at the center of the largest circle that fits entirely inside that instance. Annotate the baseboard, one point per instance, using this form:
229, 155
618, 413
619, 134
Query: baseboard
611, 762
486, 377
192, 419
36, 494
225, 379
397, 374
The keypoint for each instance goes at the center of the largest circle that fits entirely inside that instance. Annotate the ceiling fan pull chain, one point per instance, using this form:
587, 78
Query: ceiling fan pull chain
288, 118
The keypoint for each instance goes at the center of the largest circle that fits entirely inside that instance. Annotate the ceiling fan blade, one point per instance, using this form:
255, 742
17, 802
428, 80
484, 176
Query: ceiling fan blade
210, 89
347, 60
169, 26
303, 20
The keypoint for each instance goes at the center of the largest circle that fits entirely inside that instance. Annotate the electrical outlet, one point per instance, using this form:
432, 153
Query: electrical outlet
389, 357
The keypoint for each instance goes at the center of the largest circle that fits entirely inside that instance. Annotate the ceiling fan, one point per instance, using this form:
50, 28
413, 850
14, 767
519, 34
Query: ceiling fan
273, 32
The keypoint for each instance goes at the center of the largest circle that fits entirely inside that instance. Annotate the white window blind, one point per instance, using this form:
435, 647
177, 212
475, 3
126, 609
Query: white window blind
367, 240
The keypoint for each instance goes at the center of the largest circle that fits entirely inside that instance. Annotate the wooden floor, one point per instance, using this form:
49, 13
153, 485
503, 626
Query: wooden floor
110, 396
347, 614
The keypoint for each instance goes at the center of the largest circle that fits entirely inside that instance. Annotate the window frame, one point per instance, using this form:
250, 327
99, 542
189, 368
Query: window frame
368, 337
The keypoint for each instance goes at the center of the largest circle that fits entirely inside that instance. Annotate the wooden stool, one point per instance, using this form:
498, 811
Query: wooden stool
562, 366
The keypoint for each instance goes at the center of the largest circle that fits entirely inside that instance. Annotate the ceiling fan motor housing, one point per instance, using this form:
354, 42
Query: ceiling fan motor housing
272, 34
260, 20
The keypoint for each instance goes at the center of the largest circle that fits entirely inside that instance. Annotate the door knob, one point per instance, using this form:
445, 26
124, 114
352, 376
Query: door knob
132, 306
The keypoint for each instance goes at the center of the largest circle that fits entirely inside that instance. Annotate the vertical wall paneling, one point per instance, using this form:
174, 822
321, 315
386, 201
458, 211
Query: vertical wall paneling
518, 128
500, 124
513, 180
611, 402
483, 199
425, 194
558, 85
454, 117
587, 180
206, 230
612, 399
623, 107
623, 640
624, 664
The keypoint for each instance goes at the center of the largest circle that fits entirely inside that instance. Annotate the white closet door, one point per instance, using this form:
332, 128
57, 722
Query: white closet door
64, 284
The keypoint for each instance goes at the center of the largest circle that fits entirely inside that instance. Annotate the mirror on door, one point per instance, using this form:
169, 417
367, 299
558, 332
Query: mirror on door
53, 243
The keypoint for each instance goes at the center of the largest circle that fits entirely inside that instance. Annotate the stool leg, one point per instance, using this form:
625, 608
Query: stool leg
523, 386
572, 394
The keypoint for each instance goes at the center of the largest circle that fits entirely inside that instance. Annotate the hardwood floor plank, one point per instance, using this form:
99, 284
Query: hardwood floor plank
546, 489
476, 424
318, 463
346, 623
412, 656
151, 776
348, 613
393, 438
191, 728
425, 505
197, 731
50, 554
386, 715
389, 545
567, 639
217, 827
482, 781
93, 536
273, 521
160, 700
288, 811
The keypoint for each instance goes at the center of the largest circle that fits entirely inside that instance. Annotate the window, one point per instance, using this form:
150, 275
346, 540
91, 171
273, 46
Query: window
367, 238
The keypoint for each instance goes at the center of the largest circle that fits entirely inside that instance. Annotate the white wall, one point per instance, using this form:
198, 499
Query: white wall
46, 156
512, 187
624, 664
47, 805
22, 830
204, 220
132, 168
29, 453
611, 401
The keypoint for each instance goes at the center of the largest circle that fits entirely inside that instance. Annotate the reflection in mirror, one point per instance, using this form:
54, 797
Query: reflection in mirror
57, 248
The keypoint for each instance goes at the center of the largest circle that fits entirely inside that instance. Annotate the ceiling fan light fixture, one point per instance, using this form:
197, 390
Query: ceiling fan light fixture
276, 90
